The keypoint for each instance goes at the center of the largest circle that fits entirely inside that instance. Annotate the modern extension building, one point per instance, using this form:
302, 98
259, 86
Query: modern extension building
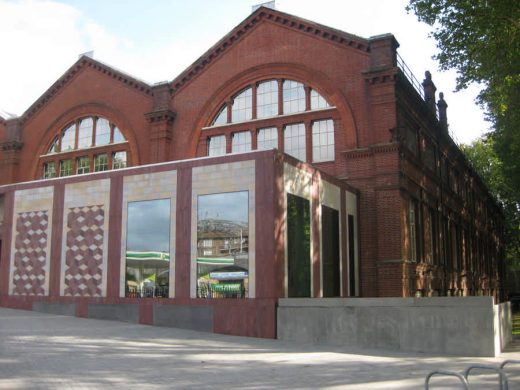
290, 160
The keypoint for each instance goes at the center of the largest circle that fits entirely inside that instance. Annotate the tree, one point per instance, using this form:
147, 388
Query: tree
480, 39
490, 168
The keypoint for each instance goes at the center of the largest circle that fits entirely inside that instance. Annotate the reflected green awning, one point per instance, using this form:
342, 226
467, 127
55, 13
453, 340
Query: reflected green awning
133, 255
215, 260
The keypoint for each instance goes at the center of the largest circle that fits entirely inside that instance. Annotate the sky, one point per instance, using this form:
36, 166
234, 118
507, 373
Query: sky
156, 40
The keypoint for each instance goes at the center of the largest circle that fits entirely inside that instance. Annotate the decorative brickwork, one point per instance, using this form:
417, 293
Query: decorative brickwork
30, 253
84, 254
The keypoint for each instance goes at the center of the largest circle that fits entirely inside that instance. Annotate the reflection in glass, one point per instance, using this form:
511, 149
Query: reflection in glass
102, 132
119, 160
85, 133
221, 117
148, 249
242, 109
68, 138
118, 136
267, 138
49, 170
65, 167
241, 142
298, 246
223, 245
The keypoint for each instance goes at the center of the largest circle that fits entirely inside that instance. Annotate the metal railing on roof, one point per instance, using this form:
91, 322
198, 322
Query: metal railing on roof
410, 76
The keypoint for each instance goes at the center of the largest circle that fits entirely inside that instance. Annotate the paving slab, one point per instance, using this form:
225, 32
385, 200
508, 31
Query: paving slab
47, 351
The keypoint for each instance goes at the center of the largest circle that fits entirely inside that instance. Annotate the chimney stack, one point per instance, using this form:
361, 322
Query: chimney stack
429, 91
443, 117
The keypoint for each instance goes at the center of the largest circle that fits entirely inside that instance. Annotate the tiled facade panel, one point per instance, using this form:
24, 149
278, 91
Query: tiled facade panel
30, 257
84, 254
85, 239
30, 244
219, 178
150, 186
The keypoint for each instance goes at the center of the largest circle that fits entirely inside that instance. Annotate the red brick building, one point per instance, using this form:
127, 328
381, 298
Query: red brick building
424, 223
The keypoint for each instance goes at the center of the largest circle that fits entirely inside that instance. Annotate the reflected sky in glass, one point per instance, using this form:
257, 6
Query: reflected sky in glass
230, 206
148, 226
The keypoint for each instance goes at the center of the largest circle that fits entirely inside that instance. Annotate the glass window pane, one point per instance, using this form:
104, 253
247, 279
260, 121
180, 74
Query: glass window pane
293, 97
323, 140
85, 133
100, 163
65, 167
68, 138
223, 245
82, 165
148, 249
294, 140
49, 170
241, 142
242, 109
119, 160
267, 138
118, 136
317, 101
102, 132
217, 145
55, 146
221, 117
267, 99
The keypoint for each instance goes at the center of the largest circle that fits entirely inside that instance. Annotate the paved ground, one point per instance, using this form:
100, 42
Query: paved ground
42, 351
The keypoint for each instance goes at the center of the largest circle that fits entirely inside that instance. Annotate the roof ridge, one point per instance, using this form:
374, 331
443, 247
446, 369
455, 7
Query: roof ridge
295, 22
85, 61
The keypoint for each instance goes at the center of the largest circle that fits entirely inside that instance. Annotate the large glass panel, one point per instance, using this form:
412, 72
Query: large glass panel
148, 249
241, 142
267, 138
317, 101
119, 160
323, 141
102, 132
82, 165
221, 117
267, 99
351, 256
294, 140
242, 109
217, 145
223, 245
85, 133
68, 138
293, 97
65, 167
100, 162
49, 170
298, 246
330, 251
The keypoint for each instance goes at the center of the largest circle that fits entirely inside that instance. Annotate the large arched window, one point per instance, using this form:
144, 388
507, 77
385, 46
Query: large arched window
276, 113
88, 144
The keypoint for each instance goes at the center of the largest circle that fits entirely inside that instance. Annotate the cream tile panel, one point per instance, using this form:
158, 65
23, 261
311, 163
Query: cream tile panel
36, 199
149, 186
351, 203
330, 195
87, 193
297, 182
218, 178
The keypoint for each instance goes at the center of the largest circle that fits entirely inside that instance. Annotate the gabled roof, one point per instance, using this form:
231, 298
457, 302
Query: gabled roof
5, 116
299, 24
82, 63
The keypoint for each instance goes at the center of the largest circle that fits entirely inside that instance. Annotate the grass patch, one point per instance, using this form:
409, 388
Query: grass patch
516, 323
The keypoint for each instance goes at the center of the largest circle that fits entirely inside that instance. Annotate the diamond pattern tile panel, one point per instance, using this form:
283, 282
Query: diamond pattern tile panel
84, 251
30, 256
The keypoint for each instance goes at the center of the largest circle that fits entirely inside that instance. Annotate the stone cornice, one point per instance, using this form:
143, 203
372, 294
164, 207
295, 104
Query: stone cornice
160, 116
83, 63
11, 145
381, 76
289, 21
371, 150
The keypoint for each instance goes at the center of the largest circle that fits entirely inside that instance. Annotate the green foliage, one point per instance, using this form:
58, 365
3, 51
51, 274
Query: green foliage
485, 161
480, 39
